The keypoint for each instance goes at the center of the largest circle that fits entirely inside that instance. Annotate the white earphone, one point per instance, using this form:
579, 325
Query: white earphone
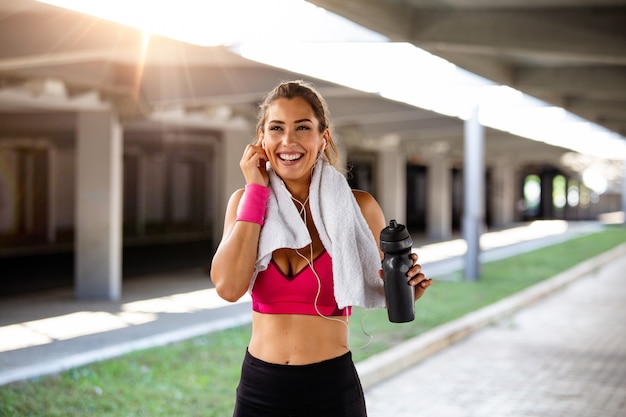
321, 151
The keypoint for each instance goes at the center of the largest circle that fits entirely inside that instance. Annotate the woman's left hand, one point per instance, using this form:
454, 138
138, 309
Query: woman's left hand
417, 279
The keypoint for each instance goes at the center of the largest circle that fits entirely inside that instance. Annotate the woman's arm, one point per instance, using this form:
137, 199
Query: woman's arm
375, 218
372, 213
233, 262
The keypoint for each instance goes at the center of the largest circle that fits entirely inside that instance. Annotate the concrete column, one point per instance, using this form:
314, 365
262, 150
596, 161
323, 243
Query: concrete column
473, 213
142, 197
53, 182
504, 197
98, 206
342, 162
231, 178
439, 222
624, 190
391, 184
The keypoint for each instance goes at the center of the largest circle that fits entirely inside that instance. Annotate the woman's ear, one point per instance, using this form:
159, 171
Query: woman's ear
326, 138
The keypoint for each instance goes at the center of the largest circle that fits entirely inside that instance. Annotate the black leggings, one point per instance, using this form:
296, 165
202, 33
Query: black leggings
330, 388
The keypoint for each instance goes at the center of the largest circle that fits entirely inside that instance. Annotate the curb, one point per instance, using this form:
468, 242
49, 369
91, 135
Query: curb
379, 367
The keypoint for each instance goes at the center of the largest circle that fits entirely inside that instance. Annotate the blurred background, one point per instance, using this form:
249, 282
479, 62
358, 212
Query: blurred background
122, 123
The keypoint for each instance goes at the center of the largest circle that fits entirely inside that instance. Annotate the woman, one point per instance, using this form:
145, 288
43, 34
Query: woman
306, 247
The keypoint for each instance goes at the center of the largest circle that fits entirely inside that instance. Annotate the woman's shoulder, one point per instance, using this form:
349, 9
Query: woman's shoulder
367, 203
237, 193
363, 197
371, 210
234, 199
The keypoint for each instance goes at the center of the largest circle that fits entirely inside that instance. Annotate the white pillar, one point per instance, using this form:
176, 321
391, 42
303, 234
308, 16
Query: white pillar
391, 184
474, 177
624, 190
439, 222
53, 182
98, 206
503, 192
231, 178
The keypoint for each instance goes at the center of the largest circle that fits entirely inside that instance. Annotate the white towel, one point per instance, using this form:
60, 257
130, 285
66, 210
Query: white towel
343, 232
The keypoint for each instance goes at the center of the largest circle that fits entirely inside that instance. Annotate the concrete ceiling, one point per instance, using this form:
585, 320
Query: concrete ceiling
53, 60
571, 53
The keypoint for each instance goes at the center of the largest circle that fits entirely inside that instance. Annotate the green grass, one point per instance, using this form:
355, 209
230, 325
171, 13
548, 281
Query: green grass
198, 377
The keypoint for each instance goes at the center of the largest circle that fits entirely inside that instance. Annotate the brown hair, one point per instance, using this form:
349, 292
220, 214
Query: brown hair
305, 90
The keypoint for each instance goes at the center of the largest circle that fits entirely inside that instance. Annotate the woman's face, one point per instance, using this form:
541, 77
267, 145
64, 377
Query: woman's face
291, 138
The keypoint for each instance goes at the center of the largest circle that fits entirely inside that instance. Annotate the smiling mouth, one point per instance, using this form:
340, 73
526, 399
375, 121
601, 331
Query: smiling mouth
290, 157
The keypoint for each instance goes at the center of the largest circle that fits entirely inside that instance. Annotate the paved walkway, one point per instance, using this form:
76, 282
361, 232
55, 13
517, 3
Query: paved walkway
562, 356
51, 331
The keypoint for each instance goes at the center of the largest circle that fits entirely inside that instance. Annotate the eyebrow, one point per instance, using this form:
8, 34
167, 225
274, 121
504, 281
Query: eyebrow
297, 121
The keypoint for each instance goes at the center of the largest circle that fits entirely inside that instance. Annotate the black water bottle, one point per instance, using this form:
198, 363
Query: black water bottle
396, 244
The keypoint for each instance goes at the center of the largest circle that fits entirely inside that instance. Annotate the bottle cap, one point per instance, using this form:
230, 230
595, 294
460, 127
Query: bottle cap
394, 232
395, 237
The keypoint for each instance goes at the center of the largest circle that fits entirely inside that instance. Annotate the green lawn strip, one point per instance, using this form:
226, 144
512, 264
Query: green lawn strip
191, 378
198, 377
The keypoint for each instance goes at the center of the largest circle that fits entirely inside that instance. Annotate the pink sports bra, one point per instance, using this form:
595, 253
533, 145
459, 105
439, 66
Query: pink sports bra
276, 293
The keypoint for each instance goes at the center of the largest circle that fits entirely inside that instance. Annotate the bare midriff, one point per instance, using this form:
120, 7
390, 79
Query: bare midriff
297, 339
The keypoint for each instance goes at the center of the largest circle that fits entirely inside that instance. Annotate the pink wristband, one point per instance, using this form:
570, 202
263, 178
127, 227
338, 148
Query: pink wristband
252, 205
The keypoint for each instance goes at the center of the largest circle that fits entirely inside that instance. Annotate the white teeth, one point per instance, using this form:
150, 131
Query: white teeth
292, 157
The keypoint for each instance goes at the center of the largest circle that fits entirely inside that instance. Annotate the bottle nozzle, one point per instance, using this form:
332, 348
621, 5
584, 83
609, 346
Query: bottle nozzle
395, 237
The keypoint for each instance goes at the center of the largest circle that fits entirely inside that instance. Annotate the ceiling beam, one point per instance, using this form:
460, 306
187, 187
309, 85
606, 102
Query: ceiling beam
585, 35
517, 4
585, 81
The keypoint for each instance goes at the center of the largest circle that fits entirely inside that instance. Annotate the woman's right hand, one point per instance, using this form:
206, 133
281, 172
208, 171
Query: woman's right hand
252, 165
